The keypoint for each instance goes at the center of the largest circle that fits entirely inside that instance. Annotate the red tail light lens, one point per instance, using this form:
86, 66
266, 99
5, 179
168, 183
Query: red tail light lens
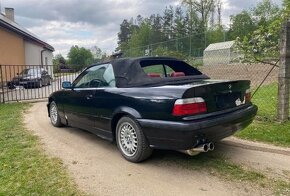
248, 96
191, 106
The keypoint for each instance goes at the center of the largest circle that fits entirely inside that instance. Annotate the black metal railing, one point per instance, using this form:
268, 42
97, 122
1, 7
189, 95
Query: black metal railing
31, 82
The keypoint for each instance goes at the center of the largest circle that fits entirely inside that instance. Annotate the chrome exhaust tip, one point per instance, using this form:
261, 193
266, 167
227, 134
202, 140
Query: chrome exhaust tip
198, 149
211, 146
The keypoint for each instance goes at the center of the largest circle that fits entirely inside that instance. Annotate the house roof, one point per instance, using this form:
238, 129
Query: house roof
13, 26
220, 46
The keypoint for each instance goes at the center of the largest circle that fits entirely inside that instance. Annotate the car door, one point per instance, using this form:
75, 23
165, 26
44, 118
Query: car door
83, 101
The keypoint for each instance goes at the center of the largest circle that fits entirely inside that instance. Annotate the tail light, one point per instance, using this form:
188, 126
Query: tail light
248, 96
191, 106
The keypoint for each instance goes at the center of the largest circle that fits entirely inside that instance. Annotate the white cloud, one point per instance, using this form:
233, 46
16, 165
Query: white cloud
93, 22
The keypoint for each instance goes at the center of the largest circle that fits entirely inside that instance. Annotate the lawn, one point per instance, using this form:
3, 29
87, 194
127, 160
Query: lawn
24, 168
265, 128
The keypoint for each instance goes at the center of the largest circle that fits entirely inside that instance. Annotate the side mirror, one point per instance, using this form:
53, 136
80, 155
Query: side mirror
66, 85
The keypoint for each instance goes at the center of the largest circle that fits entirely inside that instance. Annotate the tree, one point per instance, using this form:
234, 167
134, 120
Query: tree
203, 7
58, 62
242, 25
180, 30
216, 34
156, 26
80, 57
265, 13
124, 35
140, 38
98, 54
263, 43
168, 20
286, 5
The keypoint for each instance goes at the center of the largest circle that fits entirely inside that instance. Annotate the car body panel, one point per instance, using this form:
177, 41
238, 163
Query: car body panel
30, 77
98, 109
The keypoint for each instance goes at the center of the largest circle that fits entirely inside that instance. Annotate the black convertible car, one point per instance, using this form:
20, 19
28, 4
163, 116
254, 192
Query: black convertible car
153, 102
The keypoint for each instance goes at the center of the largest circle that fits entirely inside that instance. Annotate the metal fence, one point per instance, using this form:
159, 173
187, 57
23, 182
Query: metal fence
32, 82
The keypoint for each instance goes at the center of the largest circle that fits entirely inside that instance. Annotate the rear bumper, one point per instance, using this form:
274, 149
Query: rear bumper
189, 134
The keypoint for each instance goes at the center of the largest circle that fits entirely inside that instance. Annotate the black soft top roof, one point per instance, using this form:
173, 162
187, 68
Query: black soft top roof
129, 73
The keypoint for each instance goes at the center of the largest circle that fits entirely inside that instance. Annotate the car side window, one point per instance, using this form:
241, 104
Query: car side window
98, 76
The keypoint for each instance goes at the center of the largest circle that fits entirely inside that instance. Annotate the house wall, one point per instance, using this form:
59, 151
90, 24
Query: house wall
33, 56
11, 53
32, 53
47, 61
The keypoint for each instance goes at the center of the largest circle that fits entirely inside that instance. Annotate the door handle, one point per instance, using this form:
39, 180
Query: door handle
89, 97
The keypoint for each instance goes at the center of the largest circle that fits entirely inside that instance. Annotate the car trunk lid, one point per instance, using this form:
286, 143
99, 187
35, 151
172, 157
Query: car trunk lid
219, 95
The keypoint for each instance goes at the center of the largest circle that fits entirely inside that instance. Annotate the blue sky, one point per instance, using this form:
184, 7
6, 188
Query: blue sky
64, 23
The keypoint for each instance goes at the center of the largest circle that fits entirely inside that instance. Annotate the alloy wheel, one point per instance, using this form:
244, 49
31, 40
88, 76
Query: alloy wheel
128, 139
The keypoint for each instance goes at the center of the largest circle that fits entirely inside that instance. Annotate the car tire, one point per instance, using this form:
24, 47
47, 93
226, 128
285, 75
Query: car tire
11, 87
131, 140
54, 115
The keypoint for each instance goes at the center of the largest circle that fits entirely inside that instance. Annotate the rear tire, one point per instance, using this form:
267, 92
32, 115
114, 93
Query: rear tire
131, 141
54, 115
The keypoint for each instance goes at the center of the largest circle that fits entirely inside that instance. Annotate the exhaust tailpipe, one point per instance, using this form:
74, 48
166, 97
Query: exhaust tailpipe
201, 148
197, 150
211, 146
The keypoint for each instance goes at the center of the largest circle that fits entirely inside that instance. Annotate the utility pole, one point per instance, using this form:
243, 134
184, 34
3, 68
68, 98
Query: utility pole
284, 74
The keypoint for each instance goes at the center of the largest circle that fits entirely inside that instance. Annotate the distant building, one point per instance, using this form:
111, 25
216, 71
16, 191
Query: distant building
220, 53
18, 46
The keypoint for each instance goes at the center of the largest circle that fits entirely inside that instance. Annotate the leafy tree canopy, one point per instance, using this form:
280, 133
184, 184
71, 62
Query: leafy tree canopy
80, 56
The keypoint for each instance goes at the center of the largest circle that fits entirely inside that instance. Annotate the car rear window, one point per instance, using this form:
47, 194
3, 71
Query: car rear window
168, 68
161, 70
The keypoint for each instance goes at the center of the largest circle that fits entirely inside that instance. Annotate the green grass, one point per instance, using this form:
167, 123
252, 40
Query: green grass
24, 168
265, 128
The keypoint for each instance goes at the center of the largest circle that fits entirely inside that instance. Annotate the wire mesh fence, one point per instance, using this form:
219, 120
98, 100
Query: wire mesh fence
265, 97
220, 61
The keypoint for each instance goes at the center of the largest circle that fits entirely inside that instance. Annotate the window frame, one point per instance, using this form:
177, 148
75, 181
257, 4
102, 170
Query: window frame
163, 67
85, 73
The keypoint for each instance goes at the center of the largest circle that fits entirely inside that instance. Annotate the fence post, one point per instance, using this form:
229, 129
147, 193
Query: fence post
284, 74
2, 85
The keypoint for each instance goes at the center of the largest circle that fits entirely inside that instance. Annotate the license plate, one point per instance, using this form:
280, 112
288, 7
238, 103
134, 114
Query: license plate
228, 100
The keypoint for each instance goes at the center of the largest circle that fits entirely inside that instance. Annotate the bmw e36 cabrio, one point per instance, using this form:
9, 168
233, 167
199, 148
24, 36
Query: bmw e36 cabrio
153, 102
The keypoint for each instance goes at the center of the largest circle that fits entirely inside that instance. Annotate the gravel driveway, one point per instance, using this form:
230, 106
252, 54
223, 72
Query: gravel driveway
98, 168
